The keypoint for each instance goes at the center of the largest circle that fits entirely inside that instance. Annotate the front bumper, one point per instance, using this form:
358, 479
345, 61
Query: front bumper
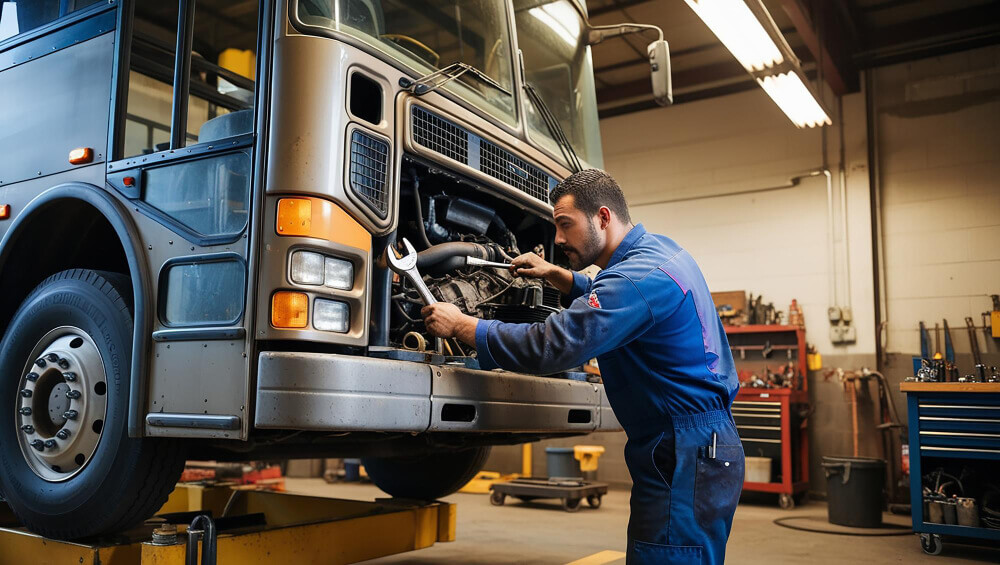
317, 391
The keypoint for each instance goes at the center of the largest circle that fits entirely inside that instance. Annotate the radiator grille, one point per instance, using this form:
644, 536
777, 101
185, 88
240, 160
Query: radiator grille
369, 164
504, 166
446, 138
440, 135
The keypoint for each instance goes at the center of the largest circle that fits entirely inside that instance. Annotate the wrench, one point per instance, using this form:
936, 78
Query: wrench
407, 266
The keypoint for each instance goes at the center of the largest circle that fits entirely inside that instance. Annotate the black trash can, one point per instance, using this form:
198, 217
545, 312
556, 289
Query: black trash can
854, 488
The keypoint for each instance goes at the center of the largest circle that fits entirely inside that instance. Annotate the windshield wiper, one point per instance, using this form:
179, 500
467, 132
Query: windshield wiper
440, 77
555, 129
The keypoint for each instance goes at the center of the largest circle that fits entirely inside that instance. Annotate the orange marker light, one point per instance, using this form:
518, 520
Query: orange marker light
4, 211
128, 181
289, 310
81, 155
294, 216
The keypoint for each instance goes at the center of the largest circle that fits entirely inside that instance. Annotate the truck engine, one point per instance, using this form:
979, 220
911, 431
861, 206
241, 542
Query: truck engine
448, 218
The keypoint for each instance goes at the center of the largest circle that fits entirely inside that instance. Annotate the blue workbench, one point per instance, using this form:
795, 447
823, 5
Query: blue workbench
950, 423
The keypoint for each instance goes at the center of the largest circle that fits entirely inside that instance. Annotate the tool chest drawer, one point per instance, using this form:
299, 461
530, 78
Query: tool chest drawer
949, 426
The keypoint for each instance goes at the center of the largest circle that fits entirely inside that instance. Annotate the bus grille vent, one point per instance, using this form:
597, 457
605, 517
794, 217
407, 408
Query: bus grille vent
506, 167
369, 167
440, 135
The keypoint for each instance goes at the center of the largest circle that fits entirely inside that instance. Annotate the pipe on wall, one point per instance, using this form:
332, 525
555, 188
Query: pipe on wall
874, 190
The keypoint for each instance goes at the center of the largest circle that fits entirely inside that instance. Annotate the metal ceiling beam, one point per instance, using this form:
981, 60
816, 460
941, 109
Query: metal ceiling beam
838, 68
616, 7
939, 34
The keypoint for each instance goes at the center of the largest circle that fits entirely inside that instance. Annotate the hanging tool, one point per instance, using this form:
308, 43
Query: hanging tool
924, 342
973, 342
994, 315
949, 350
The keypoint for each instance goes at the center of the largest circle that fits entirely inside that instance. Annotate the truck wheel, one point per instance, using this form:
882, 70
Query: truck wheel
69, 469
426, 477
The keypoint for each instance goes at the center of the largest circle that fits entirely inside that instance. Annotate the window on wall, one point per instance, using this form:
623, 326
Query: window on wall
221, 90
22, 16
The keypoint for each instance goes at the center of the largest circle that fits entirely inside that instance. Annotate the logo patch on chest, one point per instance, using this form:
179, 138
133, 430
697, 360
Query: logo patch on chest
593, 301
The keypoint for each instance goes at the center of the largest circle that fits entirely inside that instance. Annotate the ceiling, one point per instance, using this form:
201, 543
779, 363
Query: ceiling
847, 36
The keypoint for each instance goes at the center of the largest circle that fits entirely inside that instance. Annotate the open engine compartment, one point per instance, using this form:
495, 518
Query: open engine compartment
448, 218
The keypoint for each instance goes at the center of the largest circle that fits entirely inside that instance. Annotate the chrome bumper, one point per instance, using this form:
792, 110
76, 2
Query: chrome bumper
316, 391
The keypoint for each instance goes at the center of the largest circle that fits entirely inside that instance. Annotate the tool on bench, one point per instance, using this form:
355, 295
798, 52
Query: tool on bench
477, 262
949, 350
973, 341
937, 341
924, 345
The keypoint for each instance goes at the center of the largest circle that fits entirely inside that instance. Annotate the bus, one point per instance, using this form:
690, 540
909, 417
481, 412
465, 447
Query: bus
196, 197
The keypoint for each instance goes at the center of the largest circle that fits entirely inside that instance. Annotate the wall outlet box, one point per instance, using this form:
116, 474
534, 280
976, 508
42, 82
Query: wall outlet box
849, 335
846, 315
837, 334
834, 314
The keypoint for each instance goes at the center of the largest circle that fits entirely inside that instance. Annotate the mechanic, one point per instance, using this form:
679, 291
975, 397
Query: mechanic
668, 372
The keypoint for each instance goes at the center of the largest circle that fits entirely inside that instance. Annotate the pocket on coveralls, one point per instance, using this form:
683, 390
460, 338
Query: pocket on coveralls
718, 483
654, 553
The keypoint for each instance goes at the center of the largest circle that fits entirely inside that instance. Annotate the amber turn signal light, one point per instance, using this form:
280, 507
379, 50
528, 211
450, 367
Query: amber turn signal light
289, 310
294, 216
81, 155
4, 211
321, 219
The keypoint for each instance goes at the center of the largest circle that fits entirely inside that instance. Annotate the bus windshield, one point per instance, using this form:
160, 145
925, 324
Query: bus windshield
430, 35
557, 63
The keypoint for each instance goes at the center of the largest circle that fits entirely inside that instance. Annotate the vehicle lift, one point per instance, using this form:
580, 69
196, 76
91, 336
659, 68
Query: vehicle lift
239, 526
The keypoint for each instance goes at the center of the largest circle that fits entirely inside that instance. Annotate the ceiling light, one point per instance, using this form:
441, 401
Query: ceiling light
749, 33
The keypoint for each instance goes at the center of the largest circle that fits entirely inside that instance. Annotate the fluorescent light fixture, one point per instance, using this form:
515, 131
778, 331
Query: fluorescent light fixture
752, 37
740, 31
562, 18
795, 100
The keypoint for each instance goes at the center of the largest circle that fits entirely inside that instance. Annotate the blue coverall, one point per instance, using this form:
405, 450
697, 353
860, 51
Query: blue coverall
670, 378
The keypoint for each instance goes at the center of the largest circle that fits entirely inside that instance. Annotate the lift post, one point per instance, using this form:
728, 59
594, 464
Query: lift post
254, 527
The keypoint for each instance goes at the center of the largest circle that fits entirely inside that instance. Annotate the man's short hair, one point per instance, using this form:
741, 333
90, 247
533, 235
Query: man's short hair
591, 189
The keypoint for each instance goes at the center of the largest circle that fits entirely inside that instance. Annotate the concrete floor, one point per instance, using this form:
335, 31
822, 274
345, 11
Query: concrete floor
543, 533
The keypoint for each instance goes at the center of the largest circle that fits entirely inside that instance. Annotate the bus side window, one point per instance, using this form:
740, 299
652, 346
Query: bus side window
22, 16
223, 66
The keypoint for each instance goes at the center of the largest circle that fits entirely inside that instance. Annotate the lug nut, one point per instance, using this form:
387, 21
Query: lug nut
26, 393
31, 377
28, 429
40, 362
64, 363
73, 394
62, 434
70, 377
38, 444
25, 410
70, 414
51, 357
50, 443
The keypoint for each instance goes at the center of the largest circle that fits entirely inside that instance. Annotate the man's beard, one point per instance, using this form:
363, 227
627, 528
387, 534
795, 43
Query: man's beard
587, 253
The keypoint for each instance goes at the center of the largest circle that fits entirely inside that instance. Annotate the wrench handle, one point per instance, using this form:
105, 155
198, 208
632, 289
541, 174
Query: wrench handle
425, 293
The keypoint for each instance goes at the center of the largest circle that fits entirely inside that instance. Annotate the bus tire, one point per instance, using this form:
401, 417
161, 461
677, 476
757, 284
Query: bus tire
426, 477
67, 466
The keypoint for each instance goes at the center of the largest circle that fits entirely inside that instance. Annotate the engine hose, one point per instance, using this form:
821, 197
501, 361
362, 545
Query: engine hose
450, 256
421, 232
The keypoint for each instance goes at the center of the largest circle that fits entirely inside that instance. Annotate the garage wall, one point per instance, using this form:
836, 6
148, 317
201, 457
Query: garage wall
939, 148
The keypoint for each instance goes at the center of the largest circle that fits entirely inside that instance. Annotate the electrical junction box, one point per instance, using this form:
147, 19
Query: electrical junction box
849, 335
846, 315
834, 313
837, 334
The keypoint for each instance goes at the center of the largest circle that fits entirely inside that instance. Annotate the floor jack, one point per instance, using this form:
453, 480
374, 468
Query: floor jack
221, 525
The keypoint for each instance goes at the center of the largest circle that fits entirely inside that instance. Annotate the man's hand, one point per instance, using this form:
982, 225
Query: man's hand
444, 319
531, 265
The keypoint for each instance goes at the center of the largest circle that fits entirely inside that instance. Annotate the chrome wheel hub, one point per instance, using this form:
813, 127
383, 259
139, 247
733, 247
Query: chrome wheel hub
61, 404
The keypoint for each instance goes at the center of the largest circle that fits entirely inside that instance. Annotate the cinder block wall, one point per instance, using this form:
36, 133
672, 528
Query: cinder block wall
699, 172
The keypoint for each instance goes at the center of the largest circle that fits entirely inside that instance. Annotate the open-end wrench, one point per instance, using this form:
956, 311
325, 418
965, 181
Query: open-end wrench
407, 266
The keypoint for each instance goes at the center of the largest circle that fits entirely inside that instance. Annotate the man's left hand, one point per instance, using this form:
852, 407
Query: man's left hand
444, 319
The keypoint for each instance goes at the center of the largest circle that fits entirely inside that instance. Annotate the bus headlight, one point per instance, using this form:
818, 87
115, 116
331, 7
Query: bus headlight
331, 315
315, 269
